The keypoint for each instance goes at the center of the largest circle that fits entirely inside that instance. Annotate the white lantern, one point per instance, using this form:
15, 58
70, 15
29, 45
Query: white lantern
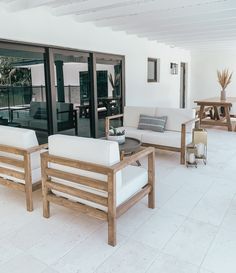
200, 140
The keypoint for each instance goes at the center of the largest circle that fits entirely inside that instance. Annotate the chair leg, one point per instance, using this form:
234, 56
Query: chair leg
111, 231
46, 209
29, 199
151, 199
46, 204
151, 180
28, 182
182, 156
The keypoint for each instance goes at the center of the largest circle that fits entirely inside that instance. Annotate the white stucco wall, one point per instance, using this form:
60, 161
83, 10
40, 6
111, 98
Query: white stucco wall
39, 26
204, 83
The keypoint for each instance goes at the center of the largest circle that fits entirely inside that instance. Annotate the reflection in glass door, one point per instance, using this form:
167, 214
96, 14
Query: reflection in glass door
22, 91
73, 94
109, 91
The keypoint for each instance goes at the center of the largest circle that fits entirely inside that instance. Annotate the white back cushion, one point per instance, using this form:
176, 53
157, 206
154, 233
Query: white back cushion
132, 113
19, 138
101, 152
175, 117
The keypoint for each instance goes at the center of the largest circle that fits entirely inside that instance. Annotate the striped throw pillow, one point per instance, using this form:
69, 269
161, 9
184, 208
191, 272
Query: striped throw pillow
152, 123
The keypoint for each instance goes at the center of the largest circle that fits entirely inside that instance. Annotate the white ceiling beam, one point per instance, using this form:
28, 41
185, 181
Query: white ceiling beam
202, 37
81, 7
229, 43
164, 15
148, 23
18, 5
189, 28
159, 28
161, 8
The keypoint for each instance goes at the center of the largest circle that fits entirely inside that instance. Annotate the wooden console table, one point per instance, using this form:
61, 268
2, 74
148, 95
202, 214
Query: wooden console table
216, 119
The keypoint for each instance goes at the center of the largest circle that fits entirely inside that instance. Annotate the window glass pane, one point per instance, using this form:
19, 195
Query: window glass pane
73, 96
22, 91
109, 99
151, 70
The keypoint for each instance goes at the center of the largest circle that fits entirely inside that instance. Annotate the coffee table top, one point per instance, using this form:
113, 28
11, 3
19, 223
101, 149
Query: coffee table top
130, 146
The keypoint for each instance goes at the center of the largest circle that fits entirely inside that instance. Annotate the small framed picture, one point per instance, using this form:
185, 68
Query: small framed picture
174, 68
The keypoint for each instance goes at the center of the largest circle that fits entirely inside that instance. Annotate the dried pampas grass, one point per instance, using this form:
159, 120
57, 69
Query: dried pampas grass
224, 78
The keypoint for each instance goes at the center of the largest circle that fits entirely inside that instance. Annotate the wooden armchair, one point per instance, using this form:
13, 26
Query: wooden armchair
20, 161
87, 175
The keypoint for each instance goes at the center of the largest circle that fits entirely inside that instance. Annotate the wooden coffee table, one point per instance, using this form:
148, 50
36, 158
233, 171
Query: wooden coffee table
130, 147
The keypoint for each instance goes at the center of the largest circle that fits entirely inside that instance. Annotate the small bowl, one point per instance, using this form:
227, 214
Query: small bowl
119, 139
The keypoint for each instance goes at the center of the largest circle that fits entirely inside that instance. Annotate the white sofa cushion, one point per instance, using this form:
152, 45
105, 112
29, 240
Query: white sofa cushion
132, 113
168, 138
175, 117
133, 132
98, 151
20, 138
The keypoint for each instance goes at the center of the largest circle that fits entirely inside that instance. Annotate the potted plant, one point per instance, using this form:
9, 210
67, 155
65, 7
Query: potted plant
116, 135
224, 79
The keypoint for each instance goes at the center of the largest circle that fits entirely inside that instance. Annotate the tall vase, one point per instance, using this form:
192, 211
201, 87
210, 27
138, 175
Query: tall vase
223, 95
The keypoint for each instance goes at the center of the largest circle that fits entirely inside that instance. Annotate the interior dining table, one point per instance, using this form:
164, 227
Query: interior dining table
220, 111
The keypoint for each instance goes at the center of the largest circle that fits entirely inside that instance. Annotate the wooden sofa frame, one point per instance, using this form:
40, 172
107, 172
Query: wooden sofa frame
181, 150
25, 164
108, 186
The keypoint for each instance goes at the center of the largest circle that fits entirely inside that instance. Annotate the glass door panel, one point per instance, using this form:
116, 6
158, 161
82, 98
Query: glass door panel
73, 94
109, 91
22, 91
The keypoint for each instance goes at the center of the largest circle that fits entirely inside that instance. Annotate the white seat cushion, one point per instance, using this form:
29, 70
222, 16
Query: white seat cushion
133, 179
168, 138
133, 132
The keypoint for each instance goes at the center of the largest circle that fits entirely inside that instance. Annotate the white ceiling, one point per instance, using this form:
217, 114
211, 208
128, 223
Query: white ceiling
183, 23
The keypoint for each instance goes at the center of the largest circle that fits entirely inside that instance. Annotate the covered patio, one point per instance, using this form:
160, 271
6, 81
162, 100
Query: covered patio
191, 230
75, 71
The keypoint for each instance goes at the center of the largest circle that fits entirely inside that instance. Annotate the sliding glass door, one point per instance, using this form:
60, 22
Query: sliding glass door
87, 88
58, 90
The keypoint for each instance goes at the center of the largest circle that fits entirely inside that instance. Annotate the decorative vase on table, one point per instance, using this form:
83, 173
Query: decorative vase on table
224, 79
223, 95
116, 135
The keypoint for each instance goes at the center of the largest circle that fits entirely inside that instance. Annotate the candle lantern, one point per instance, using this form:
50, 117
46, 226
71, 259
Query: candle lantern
191, 155
200, 141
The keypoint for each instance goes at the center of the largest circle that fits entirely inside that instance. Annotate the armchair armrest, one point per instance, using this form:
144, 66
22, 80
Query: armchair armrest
107, 122
191, 121
133, 158
37, 148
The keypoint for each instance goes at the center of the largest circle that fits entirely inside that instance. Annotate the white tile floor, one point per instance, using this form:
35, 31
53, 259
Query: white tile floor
193, 229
